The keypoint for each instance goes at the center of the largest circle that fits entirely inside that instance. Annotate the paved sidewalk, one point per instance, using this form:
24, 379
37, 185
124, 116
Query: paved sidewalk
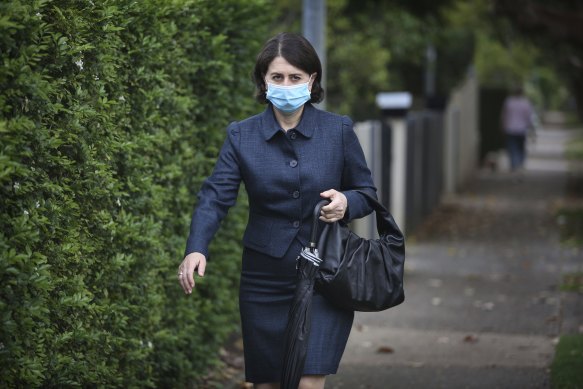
482, 307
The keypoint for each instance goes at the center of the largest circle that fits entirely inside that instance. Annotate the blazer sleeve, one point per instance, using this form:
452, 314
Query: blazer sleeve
355, 175
217, 194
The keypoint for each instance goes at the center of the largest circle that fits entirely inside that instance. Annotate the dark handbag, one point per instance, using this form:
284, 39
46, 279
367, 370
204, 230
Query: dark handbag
360, 274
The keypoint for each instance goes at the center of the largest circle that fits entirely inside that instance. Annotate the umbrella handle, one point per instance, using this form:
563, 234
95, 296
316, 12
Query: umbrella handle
315, 219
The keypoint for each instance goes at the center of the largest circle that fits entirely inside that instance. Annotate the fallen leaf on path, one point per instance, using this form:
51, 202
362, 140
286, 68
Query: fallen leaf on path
385, 350
470, 339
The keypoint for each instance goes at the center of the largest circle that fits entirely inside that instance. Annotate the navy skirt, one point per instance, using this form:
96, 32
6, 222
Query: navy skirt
267, 289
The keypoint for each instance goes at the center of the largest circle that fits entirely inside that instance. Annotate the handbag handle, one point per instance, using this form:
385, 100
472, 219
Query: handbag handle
385, 221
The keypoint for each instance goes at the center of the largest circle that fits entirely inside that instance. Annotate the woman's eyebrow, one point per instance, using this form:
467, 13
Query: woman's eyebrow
281, 74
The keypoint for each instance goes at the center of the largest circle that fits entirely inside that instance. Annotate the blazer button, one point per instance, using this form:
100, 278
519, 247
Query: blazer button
296, 194
293, 163
296, 224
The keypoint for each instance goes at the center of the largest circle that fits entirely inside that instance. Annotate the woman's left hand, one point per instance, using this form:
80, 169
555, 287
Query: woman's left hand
336, 209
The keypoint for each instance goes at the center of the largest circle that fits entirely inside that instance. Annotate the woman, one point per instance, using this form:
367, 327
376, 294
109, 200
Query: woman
289, 157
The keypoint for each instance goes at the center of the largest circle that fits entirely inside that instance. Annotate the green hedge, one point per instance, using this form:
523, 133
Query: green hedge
111, 115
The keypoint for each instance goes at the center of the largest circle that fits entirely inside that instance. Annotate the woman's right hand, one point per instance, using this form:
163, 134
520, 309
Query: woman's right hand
192, 262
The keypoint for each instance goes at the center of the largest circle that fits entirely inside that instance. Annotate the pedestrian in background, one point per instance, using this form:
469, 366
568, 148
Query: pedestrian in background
518, 119
289, 157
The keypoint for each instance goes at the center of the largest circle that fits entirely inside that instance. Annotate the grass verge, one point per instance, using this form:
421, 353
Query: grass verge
574, 150
567, 367
571, 225
572, 282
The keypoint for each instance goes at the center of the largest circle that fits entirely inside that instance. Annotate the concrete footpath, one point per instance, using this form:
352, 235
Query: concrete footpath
483, 307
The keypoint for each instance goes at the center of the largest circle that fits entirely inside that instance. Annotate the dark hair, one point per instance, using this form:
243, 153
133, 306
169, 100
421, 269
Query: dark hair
296, 50
517, 90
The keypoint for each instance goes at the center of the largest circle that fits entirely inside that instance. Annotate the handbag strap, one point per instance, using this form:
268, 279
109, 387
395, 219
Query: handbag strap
385, 222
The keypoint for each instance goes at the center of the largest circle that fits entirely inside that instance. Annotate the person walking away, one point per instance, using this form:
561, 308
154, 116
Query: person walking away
517, 120
289, 157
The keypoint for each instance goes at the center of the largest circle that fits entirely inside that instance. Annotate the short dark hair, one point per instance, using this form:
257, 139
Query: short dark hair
517, 90
296, 50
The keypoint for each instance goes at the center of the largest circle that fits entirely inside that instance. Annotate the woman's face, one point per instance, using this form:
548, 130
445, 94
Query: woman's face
281, 72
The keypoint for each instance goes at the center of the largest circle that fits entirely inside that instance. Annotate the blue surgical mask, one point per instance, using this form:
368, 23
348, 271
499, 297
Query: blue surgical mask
288, 99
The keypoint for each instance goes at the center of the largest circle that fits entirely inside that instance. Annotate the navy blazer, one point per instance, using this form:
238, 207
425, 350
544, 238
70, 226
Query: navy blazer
284, 174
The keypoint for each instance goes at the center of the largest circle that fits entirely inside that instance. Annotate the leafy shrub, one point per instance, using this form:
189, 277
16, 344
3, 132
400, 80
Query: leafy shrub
111, 115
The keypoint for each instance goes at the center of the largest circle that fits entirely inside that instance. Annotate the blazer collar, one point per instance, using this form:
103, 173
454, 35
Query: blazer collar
306, 126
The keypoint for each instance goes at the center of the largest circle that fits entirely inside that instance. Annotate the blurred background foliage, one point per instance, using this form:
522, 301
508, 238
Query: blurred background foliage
378, 45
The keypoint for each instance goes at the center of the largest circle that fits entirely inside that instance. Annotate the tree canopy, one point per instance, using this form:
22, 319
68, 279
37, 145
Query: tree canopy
556, 28
378, 45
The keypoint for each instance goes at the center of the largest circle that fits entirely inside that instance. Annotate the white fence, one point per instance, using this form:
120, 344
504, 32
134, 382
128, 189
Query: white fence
417, 161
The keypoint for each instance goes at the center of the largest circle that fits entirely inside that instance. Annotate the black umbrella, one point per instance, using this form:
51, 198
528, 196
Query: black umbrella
297, 331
